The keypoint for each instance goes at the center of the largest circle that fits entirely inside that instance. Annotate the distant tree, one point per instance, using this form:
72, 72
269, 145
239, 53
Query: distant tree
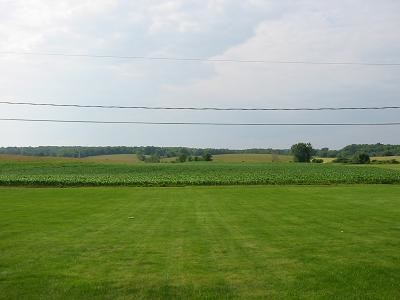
323, 152
140, 156
317, 160
207, 156
302, 152
154, 158
183, 155
361, 158
181, 158
341, 159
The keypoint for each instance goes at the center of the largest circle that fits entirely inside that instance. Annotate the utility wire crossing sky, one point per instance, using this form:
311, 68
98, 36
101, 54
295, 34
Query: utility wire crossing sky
288, 64
200, 108
198, 59
199, 123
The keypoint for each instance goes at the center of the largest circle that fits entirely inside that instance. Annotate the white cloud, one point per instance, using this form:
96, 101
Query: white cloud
307, 34
31, 23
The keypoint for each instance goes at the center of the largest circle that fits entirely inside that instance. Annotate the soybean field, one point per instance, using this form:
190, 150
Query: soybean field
59, 173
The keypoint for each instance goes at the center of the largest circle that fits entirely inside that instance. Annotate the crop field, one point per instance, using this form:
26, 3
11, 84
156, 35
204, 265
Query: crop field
114, 158
23, 158
252, 158
386, 158
286, 242
390, 166
94, 174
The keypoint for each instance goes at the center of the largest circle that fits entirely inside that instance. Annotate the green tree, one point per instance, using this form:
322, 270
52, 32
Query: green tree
207, 156
183, 155
361, 158
140, 155
302, 152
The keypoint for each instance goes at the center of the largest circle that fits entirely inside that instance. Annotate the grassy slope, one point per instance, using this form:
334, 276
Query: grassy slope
214, 243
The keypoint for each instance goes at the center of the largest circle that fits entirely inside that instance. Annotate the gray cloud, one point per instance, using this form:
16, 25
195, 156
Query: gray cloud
364, 31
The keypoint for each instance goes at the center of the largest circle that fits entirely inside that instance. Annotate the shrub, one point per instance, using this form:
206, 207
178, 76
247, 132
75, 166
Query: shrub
361, 158
342, 160
207, 157
317, 160
388, 161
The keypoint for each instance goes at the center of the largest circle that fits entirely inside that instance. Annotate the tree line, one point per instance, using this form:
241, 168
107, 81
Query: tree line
200, 153
304, 153
163, 152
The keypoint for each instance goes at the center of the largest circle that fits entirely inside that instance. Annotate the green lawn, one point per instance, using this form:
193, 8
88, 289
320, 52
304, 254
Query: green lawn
283, 242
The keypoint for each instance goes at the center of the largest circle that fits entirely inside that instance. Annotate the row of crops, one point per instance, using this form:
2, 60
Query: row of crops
87, 174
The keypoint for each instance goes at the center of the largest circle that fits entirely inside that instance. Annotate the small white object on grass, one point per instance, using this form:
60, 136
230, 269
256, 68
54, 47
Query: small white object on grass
131, 217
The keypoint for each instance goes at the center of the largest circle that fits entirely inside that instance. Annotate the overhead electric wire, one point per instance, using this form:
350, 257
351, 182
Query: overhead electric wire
202, 108
197, 123
199, 59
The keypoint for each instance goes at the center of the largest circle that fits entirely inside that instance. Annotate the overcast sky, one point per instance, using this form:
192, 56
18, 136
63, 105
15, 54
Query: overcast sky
334, 31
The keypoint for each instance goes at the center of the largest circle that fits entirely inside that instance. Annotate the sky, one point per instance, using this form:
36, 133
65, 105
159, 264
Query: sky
304, 30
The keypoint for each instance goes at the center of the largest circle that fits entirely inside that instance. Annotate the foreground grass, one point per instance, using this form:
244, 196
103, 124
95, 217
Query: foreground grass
205, 242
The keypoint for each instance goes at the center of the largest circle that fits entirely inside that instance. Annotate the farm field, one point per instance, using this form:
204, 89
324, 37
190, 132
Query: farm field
42, 173
389, 166
385, 157
287, 242
132, 158
114, 158
252, 158
24, 158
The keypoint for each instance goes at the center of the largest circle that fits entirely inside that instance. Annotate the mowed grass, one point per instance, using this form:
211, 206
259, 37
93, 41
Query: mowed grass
282, 242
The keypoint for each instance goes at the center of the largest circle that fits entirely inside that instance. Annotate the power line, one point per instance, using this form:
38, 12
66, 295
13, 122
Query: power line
199, 59
197, 123
201, 108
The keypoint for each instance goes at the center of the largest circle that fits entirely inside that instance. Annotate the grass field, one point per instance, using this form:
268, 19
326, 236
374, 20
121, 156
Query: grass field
282, 242
201, 173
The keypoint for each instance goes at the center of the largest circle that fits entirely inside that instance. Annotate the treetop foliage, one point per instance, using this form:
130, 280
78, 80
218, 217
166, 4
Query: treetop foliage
302, 152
